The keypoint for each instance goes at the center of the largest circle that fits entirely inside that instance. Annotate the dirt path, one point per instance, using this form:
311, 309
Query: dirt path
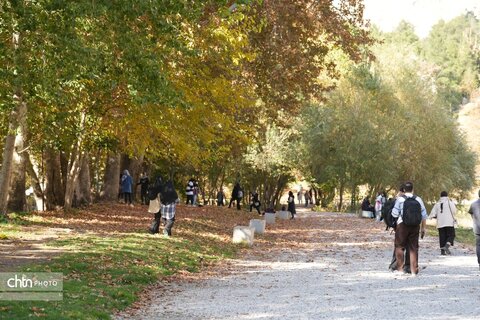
323, 266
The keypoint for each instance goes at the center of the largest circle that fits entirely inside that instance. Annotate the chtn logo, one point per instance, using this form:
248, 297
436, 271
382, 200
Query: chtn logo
22, 282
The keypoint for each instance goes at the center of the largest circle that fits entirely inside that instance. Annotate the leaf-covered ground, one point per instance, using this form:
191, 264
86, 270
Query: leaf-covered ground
107, 256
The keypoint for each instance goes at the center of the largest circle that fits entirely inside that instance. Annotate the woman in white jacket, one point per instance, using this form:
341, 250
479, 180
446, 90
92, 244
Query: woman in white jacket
444, 211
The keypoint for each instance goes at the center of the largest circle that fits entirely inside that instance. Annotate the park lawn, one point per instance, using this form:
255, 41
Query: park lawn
106, 272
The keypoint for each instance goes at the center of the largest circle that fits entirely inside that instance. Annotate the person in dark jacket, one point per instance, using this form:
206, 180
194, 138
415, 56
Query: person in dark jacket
255, 202
237, 195
220, 197
291, 204
366, 206
126, 184
144, 182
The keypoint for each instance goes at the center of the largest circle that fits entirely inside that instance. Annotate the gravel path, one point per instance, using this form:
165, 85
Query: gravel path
326, 266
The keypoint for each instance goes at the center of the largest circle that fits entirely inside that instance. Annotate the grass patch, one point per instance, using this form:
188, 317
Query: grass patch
104, 274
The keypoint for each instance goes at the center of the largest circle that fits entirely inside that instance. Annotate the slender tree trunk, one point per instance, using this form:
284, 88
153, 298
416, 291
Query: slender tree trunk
16, 197
10, 162
32, 171
341, 190
111, 178
74, 166
54, 192
6, 171
83, 187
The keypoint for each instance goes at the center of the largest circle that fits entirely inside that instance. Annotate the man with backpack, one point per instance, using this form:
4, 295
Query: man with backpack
411, 215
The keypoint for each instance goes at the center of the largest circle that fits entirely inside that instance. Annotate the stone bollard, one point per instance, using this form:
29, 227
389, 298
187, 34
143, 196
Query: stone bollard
269, 218
284, 215
243, 234
258, 225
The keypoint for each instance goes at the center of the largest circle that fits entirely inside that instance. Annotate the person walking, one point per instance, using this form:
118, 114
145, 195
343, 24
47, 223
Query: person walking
411, 220
237, 195
189, 192
444, 211
126, 183
255, 202
144, 182
220, 197
300, 195
475, 212
389, 206
168, 200
291, 204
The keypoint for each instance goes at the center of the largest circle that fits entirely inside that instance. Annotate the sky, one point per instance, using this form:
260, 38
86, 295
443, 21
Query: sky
423, 14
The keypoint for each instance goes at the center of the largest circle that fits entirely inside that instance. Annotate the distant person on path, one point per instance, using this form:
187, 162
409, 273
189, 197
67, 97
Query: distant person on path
196, 192
300, 195
126, 184
379, 202
307, 199
475, 212
220, 197
169, 200
144, 182
237, 195
366, 206
189, 192
444, 211
291, 204
411, 213
255, 202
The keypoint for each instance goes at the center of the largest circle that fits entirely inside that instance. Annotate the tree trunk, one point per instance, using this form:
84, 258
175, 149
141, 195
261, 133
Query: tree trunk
15, 127
83, 187
54, 192
340, 202
16, 197
74, 166
111, 178
32, 172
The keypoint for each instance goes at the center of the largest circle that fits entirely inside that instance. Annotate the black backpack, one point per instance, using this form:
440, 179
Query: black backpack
387, 208
412, 211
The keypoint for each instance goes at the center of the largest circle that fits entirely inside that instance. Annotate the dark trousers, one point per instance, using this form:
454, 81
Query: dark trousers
446, 234
127, 197
168, 225
190, 199
407, 236
144, 196
258, 208
156, 223
238, 203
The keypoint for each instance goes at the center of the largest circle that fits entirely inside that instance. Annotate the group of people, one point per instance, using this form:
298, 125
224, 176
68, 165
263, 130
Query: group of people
308, 195
192, 191
411, 215
126, 188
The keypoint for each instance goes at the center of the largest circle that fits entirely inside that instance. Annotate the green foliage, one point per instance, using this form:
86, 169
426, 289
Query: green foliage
382, 126
453, 47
